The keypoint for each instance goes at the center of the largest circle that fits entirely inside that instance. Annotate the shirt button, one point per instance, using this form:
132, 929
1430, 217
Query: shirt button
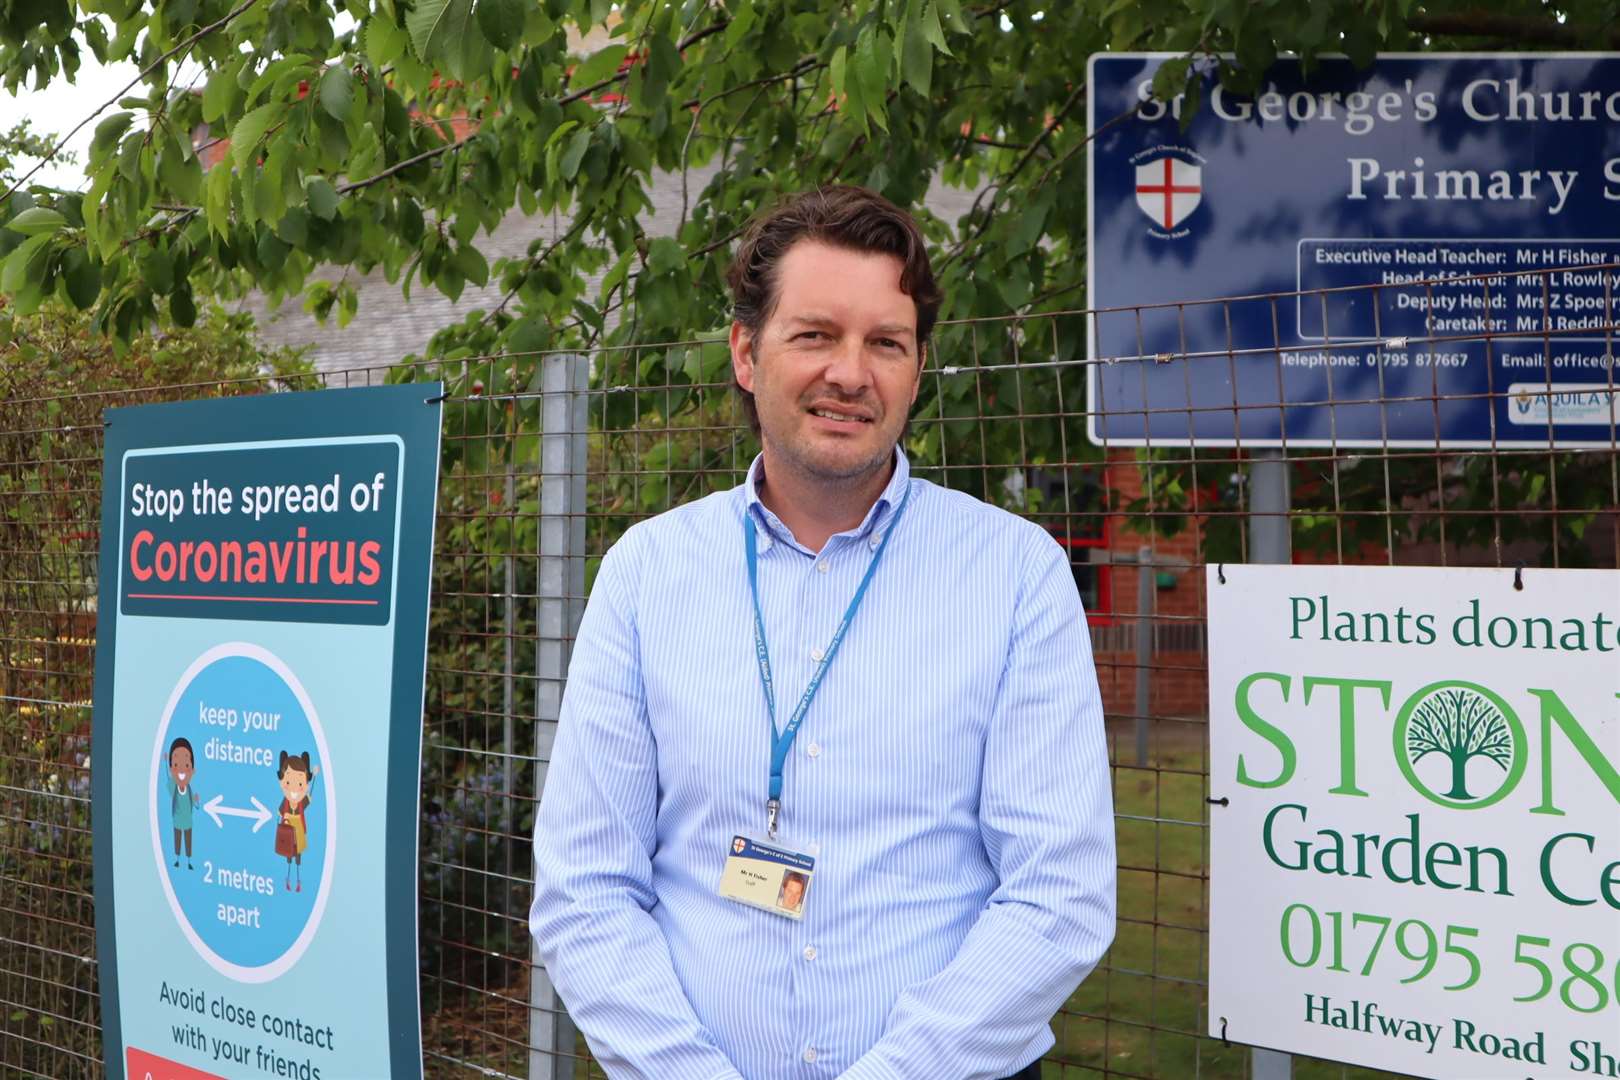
875, 541
822, 566
814, 749
816, 655
809, 1053
809, 952
814, 849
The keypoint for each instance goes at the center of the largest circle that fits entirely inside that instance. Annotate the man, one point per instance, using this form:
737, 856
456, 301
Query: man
792, 892
949, 788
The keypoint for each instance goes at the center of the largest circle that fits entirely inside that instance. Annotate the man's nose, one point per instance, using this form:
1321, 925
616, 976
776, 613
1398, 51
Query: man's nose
847, 368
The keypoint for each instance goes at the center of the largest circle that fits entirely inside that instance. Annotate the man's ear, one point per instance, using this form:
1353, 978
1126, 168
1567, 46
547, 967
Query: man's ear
742, 356
922, 365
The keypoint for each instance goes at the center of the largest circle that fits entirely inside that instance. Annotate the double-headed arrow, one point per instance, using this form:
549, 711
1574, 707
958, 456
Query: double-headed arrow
260, 815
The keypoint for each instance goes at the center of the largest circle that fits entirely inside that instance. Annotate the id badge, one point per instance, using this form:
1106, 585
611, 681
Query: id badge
767, 876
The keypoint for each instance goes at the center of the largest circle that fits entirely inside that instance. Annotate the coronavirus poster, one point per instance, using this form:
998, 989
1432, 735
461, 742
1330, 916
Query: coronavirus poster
262, 628
1415, 836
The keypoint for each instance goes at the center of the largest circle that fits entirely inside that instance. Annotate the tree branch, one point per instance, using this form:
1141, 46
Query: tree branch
536, 261
144, 72
996, 189
567, 99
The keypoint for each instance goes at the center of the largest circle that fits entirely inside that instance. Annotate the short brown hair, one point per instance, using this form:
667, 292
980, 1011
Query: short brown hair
841, 215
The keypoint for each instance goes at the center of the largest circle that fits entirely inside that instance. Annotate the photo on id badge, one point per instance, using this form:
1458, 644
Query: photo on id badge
767, 876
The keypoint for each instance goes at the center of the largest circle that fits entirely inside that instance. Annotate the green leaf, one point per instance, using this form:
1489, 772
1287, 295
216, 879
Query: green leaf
529, 335
221, 90
322, 197
293, 228
247, 134
470, 59
287, 67
19, 267
108, 132
436, 25
36, 220
742, 21
385, 42
472, 264
83, 278
501, 21
180, 172
157, 271
929, 21
874, 58
1014, 284
568, 164
1031, 223
559, 131
602, 63
664, 255
1171, 78
615, 277
182, 306
659, 67
217, 200
916, 56
337, 92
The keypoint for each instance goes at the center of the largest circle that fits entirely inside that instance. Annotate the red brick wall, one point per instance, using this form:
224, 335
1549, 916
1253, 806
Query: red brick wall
1178, 678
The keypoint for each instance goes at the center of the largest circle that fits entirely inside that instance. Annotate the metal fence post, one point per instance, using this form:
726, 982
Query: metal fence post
1270, 541
1145, 575
560, 605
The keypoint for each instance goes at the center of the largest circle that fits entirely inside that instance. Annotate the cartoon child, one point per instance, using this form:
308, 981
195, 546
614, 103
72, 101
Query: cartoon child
182, 794
292, 833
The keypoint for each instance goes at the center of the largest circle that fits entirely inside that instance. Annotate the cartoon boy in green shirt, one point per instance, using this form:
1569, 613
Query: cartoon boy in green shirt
182, 794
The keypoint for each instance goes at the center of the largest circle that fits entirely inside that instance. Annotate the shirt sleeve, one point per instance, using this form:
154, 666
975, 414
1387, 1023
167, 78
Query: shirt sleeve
1046, 817
594, 838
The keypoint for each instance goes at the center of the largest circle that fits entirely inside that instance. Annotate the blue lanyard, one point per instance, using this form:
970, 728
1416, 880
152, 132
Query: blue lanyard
782, 741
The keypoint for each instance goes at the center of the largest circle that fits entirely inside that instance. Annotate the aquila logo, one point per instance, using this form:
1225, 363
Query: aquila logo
1169, 187
1563, 403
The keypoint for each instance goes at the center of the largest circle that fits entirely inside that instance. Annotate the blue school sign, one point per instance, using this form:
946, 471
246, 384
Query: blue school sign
257, 742
1418, 176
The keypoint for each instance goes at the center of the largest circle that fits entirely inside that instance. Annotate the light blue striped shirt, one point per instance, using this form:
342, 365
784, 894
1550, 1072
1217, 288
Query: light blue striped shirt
950, 777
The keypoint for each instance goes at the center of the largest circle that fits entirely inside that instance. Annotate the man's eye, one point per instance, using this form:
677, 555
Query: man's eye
804, 335
889, 343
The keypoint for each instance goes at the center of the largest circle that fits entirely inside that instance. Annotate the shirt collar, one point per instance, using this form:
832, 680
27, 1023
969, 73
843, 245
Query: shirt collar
870, 529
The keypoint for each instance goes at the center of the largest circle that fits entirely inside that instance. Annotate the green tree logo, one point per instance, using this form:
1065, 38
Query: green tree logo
1459, 722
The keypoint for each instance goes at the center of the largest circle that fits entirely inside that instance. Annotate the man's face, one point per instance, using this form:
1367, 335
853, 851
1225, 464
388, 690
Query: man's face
180, 765
835, 368
792, 893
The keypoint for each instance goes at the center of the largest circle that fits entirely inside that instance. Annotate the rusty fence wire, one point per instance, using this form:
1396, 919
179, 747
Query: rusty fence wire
549, 457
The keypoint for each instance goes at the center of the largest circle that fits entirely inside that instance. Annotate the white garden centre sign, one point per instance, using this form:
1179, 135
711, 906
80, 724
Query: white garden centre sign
1415, 836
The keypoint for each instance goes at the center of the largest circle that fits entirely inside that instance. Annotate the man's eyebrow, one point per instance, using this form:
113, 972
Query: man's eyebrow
816, 319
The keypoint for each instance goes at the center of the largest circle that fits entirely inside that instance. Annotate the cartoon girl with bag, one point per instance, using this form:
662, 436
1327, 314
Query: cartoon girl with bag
292, 832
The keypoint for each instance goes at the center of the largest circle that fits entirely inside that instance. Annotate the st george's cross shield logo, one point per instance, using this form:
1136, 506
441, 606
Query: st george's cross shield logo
1168, 189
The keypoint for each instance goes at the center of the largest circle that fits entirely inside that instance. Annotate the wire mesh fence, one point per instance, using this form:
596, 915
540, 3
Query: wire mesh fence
548, 458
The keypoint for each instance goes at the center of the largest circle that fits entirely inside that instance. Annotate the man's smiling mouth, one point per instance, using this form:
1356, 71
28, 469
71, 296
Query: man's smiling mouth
847, 418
